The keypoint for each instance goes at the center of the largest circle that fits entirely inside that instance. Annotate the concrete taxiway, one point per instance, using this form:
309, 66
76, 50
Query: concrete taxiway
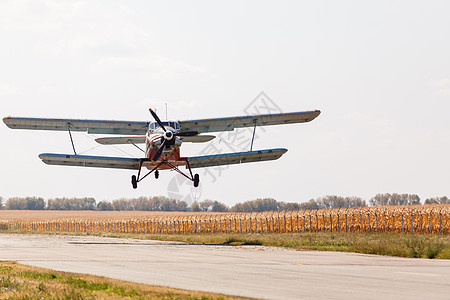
252, 271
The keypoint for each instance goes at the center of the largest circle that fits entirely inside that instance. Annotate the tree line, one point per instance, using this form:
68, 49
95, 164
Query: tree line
87, 203
157, 203
161, 203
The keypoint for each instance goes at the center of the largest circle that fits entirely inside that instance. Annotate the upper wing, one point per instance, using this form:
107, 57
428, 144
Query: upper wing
235, 158
90, 126
228, 124
140, 128
90, 161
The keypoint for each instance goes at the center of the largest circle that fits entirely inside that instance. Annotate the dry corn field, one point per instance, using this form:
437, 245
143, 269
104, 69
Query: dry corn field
431, 219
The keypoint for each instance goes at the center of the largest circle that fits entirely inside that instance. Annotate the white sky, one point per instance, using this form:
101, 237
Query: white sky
379, 71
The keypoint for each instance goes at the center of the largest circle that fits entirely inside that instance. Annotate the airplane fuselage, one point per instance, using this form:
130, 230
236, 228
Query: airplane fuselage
171, 152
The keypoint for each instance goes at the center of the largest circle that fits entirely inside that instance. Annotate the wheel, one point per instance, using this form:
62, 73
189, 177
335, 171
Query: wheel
196, 180
134, 181
156, 174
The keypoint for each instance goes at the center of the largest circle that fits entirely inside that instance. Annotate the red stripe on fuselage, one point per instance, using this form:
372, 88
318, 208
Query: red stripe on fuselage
174, 159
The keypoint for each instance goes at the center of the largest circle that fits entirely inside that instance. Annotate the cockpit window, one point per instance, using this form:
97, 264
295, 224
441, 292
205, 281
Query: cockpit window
174, 125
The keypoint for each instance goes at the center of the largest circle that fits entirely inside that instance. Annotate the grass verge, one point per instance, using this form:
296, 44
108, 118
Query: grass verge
27, 282
390, 244
414, 246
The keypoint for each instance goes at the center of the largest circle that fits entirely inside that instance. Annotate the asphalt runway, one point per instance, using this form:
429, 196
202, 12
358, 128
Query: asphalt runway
251, 271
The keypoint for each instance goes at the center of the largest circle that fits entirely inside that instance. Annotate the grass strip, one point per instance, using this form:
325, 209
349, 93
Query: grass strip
389, 244
26, 282
413, 246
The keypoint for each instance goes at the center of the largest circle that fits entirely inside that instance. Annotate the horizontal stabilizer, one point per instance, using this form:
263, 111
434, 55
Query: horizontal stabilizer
141, 139
90, 161
121, 140
197, 138
235, 158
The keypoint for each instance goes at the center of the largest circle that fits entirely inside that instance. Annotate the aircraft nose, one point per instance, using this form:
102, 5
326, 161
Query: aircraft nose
168, 135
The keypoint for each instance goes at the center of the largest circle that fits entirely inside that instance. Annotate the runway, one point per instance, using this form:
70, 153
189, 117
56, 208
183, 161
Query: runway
251, 271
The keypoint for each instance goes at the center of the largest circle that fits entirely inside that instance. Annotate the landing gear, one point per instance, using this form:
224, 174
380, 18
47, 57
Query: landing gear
196, 180
134, 181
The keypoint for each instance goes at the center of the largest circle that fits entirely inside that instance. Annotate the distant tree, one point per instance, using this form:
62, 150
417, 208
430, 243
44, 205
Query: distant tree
104, 205
258, 205
16, 203
121, 204
218, 207
27, 203
57, 204
71, 204
181, 205
437, 200
1, 202
168, 204
141, 203
266, 204
195, 207
380, 199
333, 201
238, 207
355, 202
326, 202
395, 199
206, 205
157, 203
34, 203
88, 204
289, 206
311, 204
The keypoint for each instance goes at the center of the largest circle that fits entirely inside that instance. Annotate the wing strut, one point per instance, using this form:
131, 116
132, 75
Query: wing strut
253, 137
71, 139
137, 146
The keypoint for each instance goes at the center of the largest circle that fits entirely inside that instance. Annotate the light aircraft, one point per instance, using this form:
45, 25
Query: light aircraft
162, 141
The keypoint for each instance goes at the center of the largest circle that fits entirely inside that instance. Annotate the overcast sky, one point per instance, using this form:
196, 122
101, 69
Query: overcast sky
379, 71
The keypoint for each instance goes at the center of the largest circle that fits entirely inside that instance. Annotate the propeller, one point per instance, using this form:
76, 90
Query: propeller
159, 151
168, 135
185, 133
155, 116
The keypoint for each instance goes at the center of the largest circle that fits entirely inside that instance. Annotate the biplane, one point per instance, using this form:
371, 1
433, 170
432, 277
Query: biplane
162, 139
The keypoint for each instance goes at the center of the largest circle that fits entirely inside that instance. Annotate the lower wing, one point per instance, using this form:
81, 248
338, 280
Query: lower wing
133, 163
90, 161
235, 158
